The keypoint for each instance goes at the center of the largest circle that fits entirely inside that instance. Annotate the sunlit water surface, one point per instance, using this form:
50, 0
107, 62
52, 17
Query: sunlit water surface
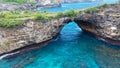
71, 49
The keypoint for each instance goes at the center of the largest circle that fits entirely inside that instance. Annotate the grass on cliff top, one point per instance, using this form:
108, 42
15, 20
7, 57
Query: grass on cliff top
18, 1
10, 23
96, 9
14, 18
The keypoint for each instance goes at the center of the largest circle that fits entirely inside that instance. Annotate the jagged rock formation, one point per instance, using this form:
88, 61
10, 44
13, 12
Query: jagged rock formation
105, 24
48, 3
12, 7
32, 32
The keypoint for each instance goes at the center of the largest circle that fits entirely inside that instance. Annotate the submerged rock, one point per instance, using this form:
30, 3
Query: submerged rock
104, 24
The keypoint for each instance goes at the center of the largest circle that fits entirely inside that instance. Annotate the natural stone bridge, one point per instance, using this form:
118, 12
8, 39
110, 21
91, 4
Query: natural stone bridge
104, 24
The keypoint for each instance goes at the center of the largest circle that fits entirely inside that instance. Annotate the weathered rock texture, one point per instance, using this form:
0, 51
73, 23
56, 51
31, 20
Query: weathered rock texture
31, 33
12, 7
105, 23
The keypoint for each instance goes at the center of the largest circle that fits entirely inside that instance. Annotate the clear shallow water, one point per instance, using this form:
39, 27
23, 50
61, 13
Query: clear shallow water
72, 49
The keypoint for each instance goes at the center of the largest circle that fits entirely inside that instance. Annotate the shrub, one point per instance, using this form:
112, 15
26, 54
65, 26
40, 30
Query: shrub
38, 16
104, 5
59, 14
43, 15
91, 10
10, 23
2, 15
19, 1
49, 17
70, 13
12, 16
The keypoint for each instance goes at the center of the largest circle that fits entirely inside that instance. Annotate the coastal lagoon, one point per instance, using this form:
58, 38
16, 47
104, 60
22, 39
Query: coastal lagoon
72, 48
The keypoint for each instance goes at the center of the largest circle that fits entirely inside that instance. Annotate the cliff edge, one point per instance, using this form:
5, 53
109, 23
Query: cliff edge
104, 23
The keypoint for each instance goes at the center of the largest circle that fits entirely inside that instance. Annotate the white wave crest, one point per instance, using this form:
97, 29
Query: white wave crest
3, 56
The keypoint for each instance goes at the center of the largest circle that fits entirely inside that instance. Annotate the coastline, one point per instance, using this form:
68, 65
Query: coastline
38, 40
27, 48
33, 36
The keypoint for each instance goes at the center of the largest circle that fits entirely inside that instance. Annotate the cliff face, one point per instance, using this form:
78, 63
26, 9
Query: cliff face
104, 24
32, 32
12, 7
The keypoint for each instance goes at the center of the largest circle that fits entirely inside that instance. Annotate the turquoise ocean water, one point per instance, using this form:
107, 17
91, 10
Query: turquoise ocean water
73, 48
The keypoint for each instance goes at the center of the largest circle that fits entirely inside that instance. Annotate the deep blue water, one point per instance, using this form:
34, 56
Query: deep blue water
73, 48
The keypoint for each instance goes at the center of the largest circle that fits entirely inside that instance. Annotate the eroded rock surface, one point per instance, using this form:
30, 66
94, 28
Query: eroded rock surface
105, 23
31, 33
12, 7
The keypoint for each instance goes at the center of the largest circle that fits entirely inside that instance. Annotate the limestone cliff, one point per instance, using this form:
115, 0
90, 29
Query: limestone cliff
105, 24
32, 32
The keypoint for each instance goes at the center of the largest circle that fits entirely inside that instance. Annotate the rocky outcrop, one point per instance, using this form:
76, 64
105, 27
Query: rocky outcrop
33, 32
105, 24
12, 7
48, 3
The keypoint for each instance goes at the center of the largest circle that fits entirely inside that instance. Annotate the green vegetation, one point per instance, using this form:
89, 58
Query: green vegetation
104, 5
14, 14
7, 43
43, 15
11, 18
91, 10
59, 14
71, 13
10, 23
96, 9
15, 18
18, 1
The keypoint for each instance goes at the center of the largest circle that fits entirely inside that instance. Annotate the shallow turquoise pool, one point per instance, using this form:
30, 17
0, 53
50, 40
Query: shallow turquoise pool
71, 49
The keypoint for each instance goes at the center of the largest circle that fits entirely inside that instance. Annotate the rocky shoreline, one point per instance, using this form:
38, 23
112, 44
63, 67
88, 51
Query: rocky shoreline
33, 32
31, 7
11, 7
104, 24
